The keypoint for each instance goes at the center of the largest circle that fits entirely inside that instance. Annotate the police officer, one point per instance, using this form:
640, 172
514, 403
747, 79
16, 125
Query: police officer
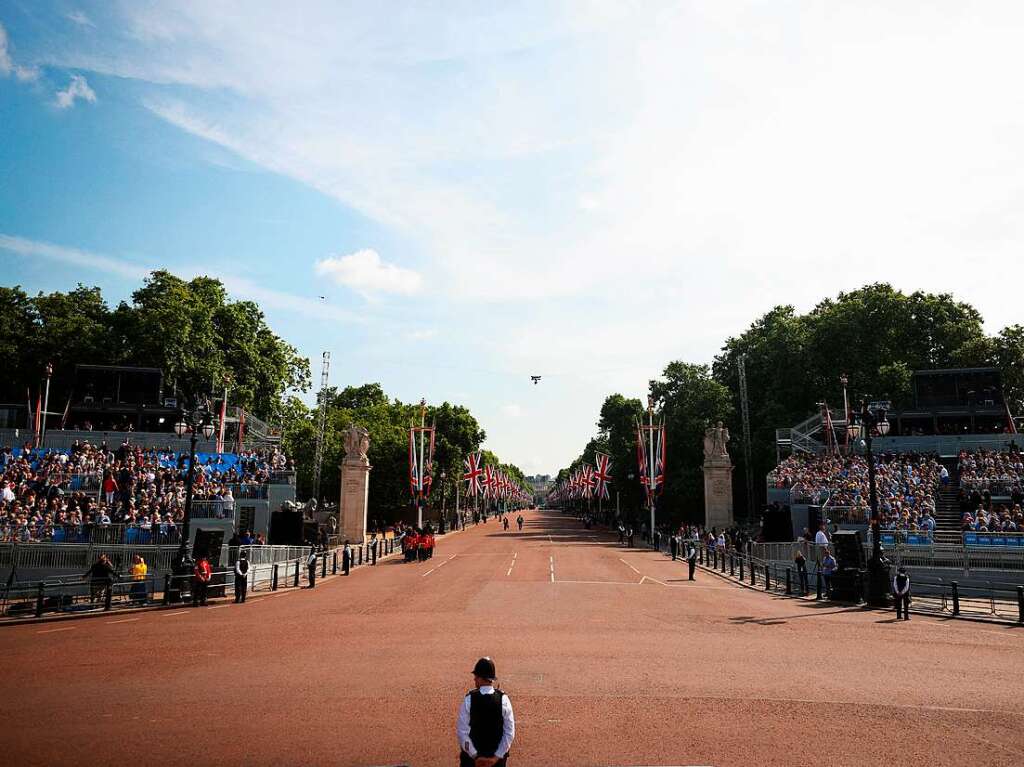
346, 558
901, 590
691, 558
241, 577
519, 522
486, 725
311, 566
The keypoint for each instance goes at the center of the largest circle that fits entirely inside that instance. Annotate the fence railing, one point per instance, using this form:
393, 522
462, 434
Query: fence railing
270, 568
161, 534
988, 598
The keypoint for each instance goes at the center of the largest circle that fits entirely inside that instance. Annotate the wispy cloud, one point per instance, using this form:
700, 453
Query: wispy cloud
7, 65
78, 88
238, 286
365, 272
80, 18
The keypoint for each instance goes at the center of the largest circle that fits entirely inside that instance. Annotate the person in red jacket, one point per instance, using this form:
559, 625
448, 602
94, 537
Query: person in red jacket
430, 545
411, 544
200, 581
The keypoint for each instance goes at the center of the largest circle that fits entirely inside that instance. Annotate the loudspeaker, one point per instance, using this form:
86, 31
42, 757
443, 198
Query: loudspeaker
776, 524
286, 528
849, 550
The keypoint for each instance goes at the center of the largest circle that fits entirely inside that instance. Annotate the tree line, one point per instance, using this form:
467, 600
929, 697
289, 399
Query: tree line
191, 330
388, 420
876, 335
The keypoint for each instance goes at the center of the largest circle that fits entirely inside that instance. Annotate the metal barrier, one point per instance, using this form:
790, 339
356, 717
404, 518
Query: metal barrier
994, 599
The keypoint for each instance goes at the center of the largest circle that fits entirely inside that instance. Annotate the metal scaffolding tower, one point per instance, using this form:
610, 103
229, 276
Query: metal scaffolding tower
321, 427
745, 411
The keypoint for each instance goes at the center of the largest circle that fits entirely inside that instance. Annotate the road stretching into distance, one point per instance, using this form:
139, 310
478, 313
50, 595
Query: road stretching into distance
609, 656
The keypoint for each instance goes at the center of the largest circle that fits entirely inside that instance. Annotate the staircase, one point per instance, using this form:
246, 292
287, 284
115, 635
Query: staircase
947, 507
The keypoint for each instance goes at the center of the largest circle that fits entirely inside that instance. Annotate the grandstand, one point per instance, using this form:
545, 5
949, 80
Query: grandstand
950, 465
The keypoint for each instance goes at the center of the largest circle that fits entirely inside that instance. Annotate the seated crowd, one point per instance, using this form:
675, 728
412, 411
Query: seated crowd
905, 482
986, 475
41, 490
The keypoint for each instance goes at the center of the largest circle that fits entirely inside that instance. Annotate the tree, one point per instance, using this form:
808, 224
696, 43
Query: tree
690, 399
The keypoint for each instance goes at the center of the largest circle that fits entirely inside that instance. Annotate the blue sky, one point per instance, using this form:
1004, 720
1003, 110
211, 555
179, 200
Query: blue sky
481, 192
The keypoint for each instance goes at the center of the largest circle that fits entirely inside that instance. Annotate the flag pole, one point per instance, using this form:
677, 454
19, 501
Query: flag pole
419, 479
651, 488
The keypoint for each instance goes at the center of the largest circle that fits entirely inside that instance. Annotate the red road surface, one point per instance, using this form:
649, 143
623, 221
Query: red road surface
616, 661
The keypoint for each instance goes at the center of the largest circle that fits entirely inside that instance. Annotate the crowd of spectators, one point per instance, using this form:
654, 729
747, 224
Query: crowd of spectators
92, 485
906, 484
987, 476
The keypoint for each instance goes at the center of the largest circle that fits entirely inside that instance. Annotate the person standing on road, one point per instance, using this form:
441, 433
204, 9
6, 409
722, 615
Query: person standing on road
241, 577
691, 558
828, 566
346, 558
311, 566
519, 522
901, 590
622, 533
486, 726
504, 524
801, 570
201, 575
673, 544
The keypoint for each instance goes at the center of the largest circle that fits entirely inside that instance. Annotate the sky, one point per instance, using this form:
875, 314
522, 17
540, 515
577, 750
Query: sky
452, 197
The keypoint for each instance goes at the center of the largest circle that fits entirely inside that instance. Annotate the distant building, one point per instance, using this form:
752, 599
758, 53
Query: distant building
541, 484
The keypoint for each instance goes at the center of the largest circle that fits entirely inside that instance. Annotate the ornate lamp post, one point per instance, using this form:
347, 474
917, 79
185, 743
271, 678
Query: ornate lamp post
192, 422
862, 425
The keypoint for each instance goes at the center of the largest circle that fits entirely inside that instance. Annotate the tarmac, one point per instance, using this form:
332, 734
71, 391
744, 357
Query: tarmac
609, 656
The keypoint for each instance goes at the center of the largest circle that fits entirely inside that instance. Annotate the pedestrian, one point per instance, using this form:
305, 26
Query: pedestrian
139, 571
828, 566
673, 544
486, 726
691, 558
901, 590
241, 577
801, 570
346, 558
519, 522
622, 533
101, 577
504, 524
201, 575
311, 566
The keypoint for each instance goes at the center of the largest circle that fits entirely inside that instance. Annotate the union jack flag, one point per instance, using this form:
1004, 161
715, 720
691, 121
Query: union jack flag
473, 474
602, 475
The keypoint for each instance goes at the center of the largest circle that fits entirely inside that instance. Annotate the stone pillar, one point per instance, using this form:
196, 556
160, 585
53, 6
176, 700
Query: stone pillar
355, 486
717, 478
717, 496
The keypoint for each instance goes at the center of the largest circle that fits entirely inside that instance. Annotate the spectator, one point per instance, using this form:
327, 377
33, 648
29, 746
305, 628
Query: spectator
828, 567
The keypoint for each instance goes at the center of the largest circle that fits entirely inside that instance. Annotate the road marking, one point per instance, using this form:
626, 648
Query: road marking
649, 578
123, 620
627, 564
179, 612
428, 572
510, 567
552, 561
515, 555
447, 560
52, 631
219, 607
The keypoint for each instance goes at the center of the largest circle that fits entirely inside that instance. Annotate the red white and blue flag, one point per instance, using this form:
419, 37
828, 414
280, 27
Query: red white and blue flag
473, 474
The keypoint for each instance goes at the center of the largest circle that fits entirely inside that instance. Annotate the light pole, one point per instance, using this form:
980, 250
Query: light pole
862, 425
192, 422
844, 380
46, 405
444, 500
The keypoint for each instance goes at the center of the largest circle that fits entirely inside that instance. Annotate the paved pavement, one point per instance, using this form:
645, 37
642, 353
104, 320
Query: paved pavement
609, 655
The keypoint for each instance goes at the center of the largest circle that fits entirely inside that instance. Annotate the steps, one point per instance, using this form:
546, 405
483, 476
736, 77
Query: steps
947, 505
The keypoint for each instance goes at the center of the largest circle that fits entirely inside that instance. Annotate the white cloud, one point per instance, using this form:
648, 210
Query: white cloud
78, 88
80, 18
424, 334
364, 272
7, 65
239, 287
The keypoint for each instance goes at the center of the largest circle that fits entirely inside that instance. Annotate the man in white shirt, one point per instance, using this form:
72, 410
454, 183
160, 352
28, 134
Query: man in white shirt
821, 537
486, 725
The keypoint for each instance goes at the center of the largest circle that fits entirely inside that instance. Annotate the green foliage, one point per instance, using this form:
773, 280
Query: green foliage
876, 335
191, 330
388, 421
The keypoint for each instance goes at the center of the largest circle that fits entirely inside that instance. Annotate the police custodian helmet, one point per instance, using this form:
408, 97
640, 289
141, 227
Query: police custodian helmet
484, 669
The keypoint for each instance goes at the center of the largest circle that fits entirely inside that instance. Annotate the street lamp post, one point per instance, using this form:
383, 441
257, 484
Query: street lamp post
46, 405
192, 422
444, 501
863, 425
